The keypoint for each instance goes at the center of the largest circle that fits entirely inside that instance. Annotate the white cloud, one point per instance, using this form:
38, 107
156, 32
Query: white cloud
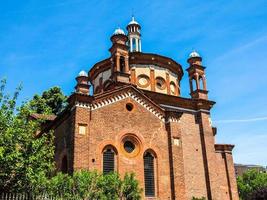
240, 120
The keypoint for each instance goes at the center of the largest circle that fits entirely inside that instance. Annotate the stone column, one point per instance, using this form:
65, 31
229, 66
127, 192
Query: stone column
131, 44
136, 44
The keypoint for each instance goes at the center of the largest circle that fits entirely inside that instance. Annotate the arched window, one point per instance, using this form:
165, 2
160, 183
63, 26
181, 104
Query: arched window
108, 160
64, 165
149, 174
134, 44
201, 85
194, 84
122, 64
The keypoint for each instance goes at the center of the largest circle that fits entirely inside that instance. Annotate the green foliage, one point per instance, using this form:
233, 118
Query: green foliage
51, 101
251, 181
258, 194
130, 187
27, 161
92, 185
24, 159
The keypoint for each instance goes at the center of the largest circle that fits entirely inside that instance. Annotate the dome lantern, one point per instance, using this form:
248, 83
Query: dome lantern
134, 35
82, 85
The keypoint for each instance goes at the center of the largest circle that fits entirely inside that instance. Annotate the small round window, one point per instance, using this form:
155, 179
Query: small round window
129, 106
129, 146
160, 83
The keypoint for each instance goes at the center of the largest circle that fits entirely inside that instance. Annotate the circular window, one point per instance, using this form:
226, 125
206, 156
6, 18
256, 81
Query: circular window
129, 106
129, 146
143, 81
160, 83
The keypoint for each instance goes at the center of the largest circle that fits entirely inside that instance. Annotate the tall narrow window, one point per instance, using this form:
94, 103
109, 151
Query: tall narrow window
108, 160
64, 165
134, 44
122, 64
201, 85
149, 175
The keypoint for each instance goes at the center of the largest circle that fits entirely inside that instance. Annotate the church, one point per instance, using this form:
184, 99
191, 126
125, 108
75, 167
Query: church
135, 120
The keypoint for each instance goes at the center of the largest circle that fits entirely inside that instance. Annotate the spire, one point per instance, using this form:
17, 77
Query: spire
133, 21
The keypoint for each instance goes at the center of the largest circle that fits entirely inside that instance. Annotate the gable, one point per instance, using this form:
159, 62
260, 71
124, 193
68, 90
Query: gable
116, 97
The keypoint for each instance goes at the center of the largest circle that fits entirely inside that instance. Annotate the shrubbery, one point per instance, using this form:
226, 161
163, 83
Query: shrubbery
251, 184
90, 185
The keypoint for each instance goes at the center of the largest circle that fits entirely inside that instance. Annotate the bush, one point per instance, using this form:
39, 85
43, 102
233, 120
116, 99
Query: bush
258, 194
93, 185
250, 182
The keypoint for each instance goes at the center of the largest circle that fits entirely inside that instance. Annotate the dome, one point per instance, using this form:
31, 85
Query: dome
194, 54
82, 73
118, 31
133, 22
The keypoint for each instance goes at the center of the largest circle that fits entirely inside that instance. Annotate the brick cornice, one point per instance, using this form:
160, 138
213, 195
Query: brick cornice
180, 102
226, 148
195, 66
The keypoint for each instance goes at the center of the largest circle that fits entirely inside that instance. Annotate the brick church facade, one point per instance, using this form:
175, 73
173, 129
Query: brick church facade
136, 121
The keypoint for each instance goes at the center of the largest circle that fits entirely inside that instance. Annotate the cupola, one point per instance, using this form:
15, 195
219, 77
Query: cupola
134, 35
119, 56
82, 85
118, 31
197, 78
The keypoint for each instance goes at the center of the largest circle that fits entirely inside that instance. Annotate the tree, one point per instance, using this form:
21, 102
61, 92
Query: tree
251, 181
27, 161
24, 159
52, 101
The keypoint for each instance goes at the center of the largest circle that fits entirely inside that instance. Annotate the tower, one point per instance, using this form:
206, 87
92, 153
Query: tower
134, 36
82, 85
197, 79
120, 56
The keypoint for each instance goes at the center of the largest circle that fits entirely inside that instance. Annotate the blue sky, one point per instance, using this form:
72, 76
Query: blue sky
46, 43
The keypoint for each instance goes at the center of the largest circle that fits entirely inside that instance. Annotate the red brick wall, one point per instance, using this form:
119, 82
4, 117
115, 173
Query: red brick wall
64, 141
195, 184
177, 160
180, 170
108, 125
